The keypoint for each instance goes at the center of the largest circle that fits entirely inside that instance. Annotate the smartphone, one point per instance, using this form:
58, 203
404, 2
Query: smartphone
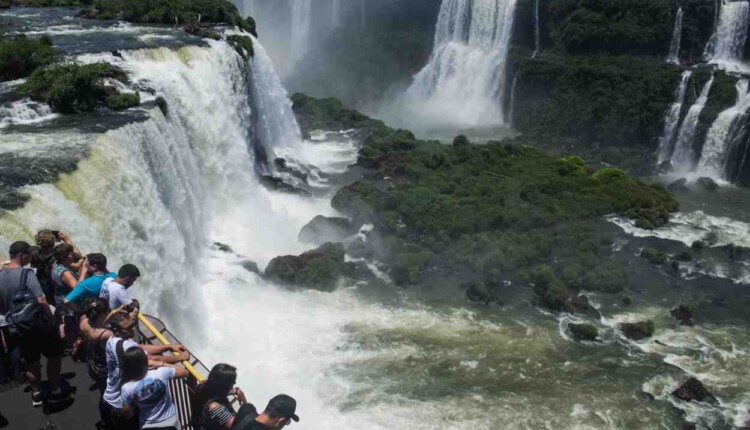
56, 233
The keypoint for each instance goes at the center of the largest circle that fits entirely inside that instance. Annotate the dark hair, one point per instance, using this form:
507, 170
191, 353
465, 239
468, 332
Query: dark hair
128, 271
117, 321
97, 308
98, 260
220, 381
62, 250
19, 247
134, 363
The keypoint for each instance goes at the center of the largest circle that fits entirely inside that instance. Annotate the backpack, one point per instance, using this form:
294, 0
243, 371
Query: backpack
26, 313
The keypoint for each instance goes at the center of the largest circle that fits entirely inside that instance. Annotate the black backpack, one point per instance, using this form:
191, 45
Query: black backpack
26, 313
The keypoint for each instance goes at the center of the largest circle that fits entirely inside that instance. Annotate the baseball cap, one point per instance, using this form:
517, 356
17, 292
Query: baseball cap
283, 405
19, 247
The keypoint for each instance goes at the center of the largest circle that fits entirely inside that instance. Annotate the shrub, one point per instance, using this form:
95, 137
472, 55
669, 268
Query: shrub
169, 11
608, 175
242, 44
123, 101
20, 56
70, 88
653, 255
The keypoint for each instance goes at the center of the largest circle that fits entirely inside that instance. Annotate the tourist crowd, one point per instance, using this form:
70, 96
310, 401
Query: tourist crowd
69, 303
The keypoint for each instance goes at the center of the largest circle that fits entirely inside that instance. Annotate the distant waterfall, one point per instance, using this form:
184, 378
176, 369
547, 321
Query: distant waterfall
464, 82
672, 119
682, 157
674, 47
511, 107
300, 31
728, 41
336, 13
537, 31
363, 15
275, 124
725, 134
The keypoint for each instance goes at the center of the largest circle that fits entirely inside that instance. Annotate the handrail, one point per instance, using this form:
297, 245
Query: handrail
197, 375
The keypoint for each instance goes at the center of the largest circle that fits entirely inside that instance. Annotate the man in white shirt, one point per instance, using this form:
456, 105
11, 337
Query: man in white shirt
115, 290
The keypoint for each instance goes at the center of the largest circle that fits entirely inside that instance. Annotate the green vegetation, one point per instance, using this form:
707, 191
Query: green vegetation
51, 3
638, 330
172, 11
583, 331
327, 113
491, 213
70, 88
19, 56
123, 101
653, 255
242, 44
318, 269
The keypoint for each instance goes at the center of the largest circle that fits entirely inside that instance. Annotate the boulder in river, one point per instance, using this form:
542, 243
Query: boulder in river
638, 330
326, 229
683, 314
583, 331
250, 266
693, 390
678, 186
318, 269
707, 184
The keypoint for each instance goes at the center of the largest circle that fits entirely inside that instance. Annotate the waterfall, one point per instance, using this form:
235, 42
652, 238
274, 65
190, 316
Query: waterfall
276, 126
363, 16
728, 41
24, 111
537, 31
724, 135
300, 31
336, 13
511, 108
672, 119
464, 82
682, 156
674, 47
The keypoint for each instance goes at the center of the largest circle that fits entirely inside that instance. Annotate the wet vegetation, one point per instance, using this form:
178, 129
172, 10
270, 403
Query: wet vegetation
242, 44
494, 214
19, 56
71, 88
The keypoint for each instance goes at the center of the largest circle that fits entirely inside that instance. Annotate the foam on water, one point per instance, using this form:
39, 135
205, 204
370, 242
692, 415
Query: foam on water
24, 111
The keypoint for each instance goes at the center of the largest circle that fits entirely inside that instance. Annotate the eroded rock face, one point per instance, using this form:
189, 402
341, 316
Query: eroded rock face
683, 314
693, 390
638, 331
707, 184
326, 229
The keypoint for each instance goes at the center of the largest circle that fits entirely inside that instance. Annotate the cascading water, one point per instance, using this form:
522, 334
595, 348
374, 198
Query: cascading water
464, 82
672, 119
724, 135
335, 13
682, 156
300, 31
727, 43
24, 111
674, 47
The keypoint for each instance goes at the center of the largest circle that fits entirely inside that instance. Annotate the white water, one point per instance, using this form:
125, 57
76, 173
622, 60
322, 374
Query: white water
672, 119
724, 135
463, 84
727, 43
682, 156
300, 31
336, 13
24, 111
674, 47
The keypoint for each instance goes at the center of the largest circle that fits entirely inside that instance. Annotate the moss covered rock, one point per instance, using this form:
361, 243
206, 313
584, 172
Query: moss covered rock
242, 44
318, 269
585, 332
638, 330
653, 256
324, 229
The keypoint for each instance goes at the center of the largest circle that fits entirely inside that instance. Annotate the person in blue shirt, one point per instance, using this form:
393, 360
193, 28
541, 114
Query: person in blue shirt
89, 288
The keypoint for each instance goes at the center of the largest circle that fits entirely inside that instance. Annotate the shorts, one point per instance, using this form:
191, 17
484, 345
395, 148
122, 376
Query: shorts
44, 342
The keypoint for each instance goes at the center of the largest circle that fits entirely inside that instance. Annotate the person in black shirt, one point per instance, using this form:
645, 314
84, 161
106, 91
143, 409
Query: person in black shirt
280, 412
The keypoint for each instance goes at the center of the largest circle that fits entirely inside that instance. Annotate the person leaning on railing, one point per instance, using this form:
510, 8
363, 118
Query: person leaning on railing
212, 409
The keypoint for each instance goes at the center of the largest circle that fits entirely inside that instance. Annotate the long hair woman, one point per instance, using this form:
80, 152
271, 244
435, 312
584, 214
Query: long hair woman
148, 390
212, 409
95, 332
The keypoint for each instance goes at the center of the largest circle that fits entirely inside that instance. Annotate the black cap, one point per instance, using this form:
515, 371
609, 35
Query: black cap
19, 247
283, 405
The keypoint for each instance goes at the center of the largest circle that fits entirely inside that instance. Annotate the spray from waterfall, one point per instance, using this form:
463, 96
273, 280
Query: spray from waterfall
463, 84
672, 119
336, 13
728, 41
682, 156
301, 26
674, 47
725, 135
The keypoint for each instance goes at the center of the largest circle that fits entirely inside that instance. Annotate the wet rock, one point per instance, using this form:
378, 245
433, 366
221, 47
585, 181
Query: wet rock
162, 104
627, 301
678, 186
707, 184
683, 314
583, 331
664, 167
250, 266
277, 184
646, 396
326, 229
218, 246
653, 256
638, 330
693, 390
318, 269
358, 249
477, 292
